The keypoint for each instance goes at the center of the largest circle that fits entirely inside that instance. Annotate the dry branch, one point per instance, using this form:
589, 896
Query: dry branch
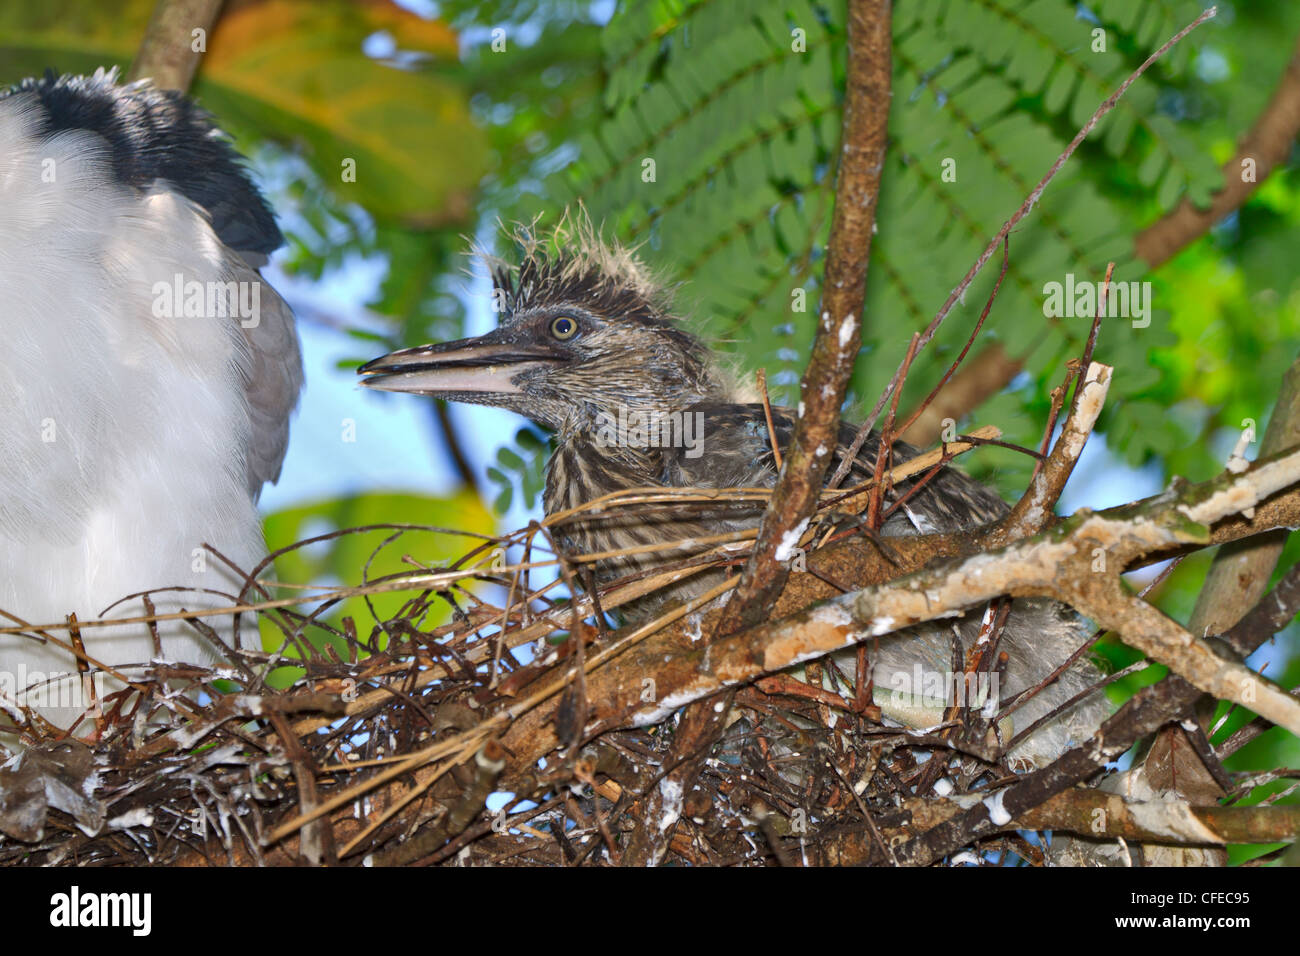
839, 330
1058, 563
1091, 813
1237, 578
1268, 143
167, 55
1033, 511
834, 353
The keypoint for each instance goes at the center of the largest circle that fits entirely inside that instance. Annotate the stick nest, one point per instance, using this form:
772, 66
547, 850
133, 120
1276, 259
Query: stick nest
395, 746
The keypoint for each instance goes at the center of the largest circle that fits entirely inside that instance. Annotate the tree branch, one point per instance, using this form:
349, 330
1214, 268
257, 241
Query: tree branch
839, 331
1267, 144
1034, 510
167, 55
1181, 758
1241, 571
834, 352
1091, 813
1058, 563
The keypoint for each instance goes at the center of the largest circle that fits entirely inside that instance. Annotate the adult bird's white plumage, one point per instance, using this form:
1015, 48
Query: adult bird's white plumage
136, 429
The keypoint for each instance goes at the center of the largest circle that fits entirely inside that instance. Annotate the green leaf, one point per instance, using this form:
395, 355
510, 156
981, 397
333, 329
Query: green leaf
294, 71
350, 559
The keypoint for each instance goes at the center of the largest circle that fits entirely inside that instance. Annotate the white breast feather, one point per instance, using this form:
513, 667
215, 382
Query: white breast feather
124, 435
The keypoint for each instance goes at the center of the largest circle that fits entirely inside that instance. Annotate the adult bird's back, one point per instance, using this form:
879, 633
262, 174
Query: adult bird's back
147, 378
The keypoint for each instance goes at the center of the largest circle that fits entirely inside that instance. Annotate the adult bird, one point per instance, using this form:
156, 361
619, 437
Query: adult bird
589, 346
147, 377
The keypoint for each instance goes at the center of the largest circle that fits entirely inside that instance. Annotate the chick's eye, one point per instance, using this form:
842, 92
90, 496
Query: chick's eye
564, 327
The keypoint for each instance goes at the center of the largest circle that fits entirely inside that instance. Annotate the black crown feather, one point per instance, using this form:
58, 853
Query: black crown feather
153, 135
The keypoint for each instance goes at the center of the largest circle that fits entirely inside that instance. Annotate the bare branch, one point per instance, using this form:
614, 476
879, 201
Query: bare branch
839, 331
1058, 563
1102, 816
1034, 509
1267, 144
167, 55
1236, 580
834, 352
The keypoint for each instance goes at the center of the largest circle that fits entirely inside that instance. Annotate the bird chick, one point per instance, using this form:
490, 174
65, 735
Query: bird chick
589, 346
147, 377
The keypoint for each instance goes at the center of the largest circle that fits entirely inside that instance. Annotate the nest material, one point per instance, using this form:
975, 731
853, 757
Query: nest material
388, 747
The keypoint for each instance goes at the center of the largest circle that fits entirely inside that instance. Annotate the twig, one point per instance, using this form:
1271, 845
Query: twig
167, 54
767, 412
978, 379
839, 331
488, 764
1091, 813
970, 340
1267, 144
834, 352
1034, 509
885, 447
1034, 195
1271, 613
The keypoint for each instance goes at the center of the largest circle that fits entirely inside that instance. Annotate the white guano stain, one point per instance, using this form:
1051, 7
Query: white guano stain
139, 817
670, 791
847, 328
790, 541
997, 812
672, 702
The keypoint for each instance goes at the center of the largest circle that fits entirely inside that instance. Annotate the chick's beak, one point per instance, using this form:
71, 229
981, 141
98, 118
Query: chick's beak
487, 364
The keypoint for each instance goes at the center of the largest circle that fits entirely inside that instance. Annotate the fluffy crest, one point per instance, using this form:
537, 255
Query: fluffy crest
570, 264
